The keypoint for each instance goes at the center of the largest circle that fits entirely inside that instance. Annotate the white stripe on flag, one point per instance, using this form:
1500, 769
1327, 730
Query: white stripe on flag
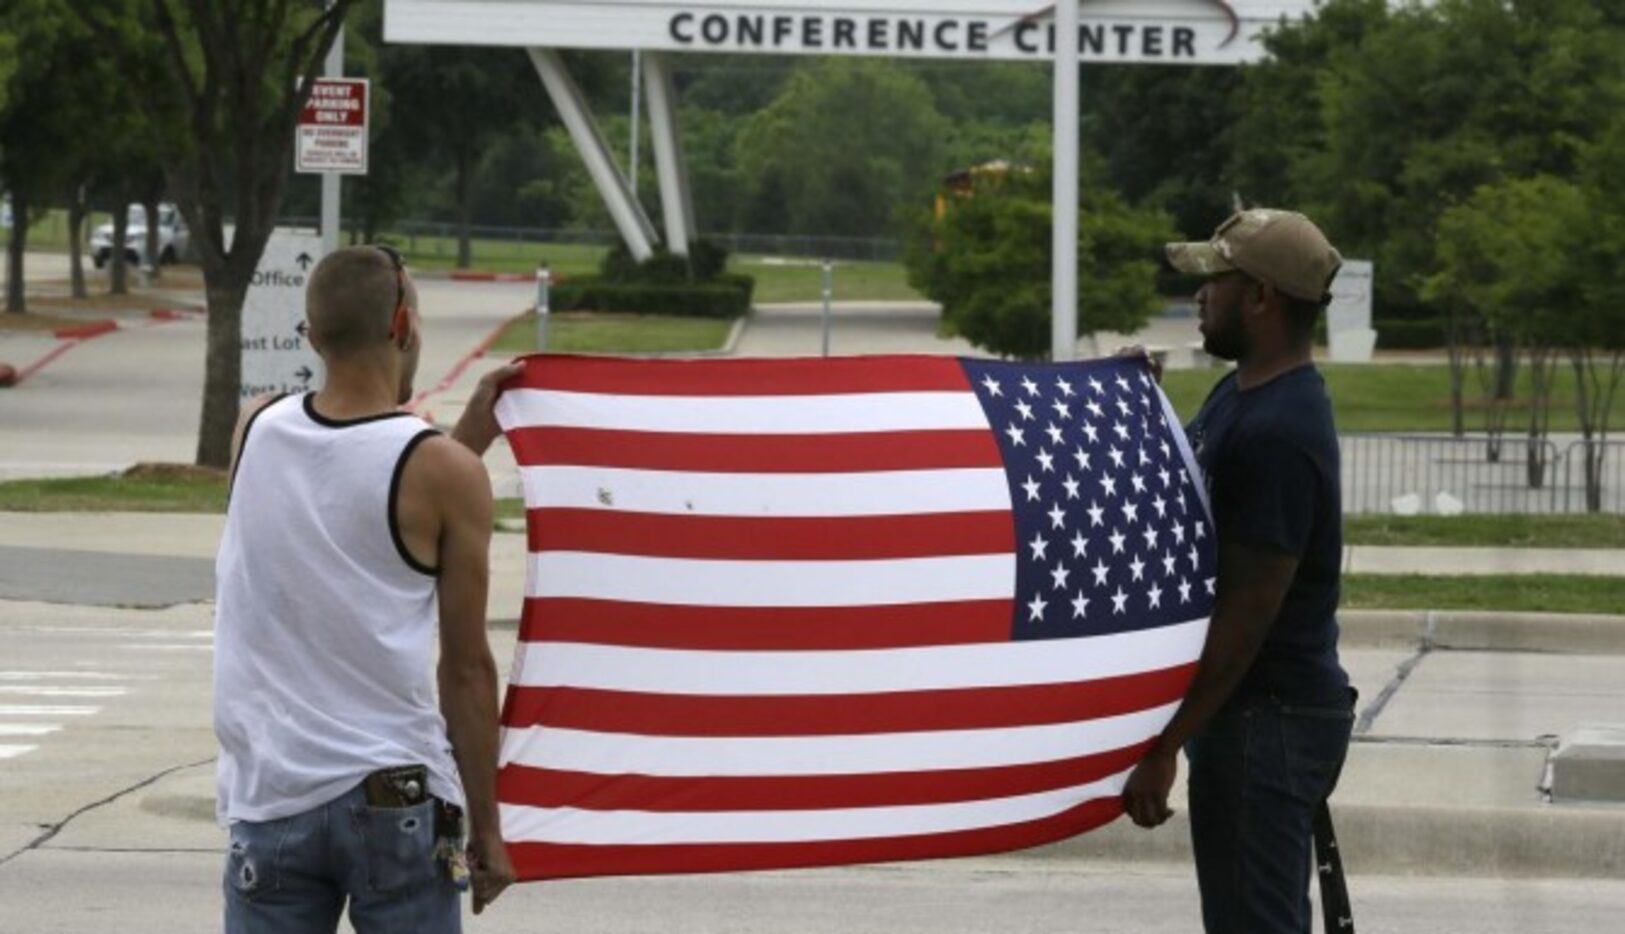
808, 414
880, 493
863, 671
671, 756
704, 582
521, 824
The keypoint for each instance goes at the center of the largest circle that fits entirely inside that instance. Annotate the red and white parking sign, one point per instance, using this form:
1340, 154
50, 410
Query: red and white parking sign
333, 128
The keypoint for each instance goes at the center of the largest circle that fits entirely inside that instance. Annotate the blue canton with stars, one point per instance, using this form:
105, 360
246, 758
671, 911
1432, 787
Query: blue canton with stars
1111, 534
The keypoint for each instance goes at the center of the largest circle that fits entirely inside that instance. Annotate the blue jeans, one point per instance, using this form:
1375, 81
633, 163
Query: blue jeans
1257, 774
293, 875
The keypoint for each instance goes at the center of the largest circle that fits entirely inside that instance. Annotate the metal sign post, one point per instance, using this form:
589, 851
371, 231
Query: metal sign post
829, 295
544, 302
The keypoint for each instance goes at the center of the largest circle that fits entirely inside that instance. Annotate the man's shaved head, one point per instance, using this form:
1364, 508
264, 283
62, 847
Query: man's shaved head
351, 301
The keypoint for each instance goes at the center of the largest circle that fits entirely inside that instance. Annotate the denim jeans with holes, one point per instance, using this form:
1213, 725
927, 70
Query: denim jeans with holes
296, 874
1257, 773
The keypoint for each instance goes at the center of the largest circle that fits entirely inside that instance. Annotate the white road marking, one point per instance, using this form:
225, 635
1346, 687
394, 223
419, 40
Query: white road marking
69, 676
27, 729
11, 752
31, 690
46, 710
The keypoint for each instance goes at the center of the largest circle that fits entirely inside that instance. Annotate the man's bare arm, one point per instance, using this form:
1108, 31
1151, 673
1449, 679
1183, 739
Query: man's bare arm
1252, 583
477, 429
467, 672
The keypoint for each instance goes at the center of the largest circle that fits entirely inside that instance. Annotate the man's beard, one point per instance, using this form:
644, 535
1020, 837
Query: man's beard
1227, 339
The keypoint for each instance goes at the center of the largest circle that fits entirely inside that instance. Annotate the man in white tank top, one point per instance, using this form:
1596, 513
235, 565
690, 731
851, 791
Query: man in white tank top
355, 533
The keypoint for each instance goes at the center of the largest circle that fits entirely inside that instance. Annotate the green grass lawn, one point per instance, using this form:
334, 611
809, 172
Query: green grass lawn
803, 280
789, 280
116, 494
584, 332
1487, 531
1390, 397
1543, 593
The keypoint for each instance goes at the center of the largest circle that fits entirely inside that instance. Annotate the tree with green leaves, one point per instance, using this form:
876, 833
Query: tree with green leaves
454, 102
1379, 118
986, 260
1513, 252
843, 150
236, 76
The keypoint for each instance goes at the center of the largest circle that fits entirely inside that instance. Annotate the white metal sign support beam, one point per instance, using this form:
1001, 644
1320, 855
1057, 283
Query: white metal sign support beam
1064, 233
676, 201
629, 217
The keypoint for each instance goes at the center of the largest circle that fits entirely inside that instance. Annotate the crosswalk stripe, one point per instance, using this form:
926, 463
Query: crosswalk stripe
68, 676
47, 710
27, 729
32, 690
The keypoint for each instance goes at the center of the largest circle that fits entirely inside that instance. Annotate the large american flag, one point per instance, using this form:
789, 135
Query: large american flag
808, 612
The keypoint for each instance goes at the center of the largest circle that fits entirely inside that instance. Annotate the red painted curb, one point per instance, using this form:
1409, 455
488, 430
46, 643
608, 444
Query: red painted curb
83, 331
474, 275
464, 363
173, 314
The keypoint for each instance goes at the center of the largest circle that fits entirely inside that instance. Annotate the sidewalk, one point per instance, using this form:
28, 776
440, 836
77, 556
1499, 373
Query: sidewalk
1459, 711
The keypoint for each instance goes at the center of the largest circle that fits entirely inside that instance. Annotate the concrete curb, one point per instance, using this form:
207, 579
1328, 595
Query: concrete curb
1383, 839
1485, 631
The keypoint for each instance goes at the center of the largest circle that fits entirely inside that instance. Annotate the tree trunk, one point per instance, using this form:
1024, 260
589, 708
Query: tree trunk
151, 261
226, 289
1541, 367
16, 300
465, 209
1455, 339
1506, 369
77, 209
118, 272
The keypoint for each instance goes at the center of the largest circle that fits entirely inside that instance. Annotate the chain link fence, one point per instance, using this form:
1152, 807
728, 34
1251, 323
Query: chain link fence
1444, 475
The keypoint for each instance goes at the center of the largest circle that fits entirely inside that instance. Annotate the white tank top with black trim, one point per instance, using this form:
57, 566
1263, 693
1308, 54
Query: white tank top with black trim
325, 624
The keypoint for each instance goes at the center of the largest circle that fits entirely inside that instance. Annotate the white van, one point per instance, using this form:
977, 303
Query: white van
173, 238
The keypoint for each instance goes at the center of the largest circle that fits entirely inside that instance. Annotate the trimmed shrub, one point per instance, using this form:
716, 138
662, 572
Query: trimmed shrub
1410, 333
727, 298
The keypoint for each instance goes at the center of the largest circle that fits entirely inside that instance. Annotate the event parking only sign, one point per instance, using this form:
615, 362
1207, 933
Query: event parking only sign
277, 356
332, 134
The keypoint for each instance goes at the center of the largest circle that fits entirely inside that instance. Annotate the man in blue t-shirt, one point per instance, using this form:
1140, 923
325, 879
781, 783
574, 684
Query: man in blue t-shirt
1267, 720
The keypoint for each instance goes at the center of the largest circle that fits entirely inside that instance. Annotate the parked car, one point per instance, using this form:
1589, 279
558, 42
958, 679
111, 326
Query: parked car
173, 239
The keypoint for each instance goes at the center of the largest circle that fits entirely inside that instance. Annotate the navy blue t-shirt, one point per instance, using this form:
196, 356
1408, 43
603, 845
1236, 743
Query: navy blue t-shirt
1270, 459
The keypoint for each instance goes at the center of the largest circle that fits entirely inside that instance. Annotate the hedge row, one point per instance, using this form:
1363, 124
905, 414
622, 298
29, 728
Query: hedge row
1410, 333
727, 296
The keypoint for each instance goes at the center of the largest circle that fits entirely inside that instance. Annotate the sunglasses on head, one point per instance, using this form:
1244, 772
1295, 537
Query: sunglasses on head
400, 272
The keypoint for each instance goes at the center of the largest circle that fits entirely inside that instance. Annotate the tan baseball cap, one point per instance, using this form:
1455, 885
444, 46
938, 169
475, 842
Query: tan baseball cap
1283, 247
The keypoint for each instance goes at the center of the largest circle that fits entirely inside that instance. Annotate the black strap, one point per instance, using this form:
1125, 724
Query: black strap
1336, 910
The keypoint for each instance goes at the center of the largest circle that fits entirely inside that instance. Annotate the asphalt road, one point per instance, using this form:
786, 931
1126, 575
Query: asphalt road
106, 770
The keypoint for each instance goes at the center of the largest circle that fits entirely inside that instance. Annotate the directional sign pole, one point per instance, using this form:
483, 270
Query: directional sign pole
332, 182
1064, 249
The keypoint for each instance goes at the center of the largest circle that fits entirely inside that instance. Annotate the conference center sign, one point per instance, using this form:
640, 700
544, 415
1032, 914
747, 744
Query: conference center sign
1182, 32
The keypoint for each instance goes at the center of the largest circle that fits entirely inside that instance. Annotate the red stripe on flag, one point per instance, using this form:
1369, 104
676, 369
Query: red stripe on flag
549, 788
559, 861
670, 626
937, 449
649, 714
776, 377
849, 538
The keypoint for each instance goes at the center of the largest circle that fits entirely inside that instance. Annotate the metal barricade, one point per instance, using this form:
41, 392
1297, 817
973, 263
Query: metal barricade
1595, 480
1445, 475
